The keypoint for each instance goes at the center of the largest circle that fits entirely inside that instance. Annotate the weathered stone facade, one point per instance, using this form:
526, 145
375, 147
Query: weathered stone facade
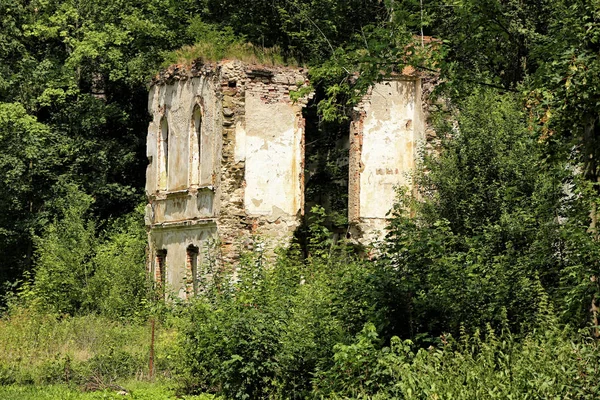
226, 162
225, 149
388, 129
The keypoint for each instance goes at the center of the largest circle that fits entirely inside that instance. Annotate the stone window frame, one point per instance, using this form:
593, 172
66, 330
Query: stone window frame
162, 153
192, 261
197, 130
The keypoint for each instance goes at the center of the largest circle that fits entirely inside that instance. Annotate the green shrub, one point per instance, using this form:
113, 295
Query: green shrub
119, 286
491, 231
549, 363
77, 272
64, 252
274, 326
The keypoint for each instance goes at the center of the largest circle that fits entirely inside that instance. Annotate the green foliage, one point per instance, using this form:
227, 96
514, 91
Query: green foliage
502, 234
26, 161
346, 77
119, 286
550, 363
308, 30
483, 243
64, 252
362, 368
266, 334
320, 241
77, 272
489, 168
74, 100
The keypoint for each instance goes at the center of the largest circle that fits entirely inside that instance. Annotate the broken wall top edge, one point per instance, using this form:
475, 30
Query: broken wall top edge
182, 72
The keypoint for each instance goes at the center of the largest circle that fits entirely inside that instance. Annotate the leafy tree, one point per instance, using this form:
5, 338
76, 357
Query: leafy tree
484, 244
64, 252
27, 160
78, 69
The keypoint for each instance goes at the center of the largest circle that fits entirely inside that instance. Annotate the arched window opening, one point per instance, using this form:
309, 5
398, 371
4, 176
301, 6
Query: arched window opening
160, 271
192, 270
196, 145
163, 153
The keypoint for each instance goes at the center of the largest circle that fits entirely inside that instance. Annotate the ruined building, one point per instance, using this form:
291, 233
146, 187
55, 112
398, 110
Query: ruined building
226, 161
389, 126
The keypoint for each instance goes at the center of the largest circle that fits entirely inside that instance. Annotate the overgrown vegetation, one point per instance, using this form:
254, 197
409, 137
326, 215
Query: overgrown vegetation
213, 45
486, 285
545, 364
88, 351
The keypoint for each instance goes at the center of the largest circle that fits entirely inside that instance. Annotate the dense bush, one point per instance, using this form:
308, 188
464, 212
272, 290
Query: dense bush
486, 244
548, 363
64, 252
491, 230
80, 268
119, 286
266, 333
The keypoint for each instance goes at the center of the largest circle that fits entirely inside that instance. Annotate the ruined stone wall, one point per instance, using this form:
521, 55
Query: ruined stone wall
262, 154
183, 143
388, 128
225, 151
226, 162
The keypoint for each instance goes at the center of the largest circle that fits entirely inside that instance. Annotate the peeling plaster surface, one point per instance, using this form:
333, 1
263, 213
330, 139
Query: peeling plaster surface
388, 147
386, 132
239, 173
182, 205
225, 153
175, 240
273, 158
175, 103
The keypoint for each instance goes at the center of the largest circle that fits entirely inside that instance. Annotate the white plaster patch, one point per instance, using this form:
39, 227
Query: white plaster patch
388, 147
273, 158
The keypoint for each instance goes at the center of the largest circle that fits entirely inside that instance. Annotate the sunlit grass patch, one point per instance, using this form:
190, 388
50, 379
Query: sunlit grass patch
135, 391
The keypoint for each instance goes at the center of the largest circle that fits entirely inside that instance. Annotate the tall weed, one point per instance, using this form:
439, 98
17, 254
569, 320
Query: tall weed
273, 329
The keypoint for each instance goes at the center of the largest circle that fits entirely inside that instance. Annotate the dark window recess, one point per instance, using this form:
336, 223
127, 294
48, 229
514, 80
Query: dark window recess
192, 270
160, 273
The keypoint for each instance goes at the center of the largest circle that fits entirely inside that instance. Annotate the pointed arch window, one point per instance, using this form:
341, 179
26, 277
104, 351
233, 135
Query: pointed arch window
163, 154
196, 146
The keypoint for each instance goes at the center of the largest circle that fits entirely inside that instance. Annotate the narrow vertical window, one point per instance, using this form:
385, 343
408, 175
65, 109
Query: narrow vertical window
160, 272
196, 146
192, 270
163, 153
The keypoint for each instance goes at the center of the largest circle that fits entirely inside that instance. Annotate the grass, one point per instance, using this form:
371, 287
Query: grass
61, 357
37, 349
137, 391
246, 52
213, 44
